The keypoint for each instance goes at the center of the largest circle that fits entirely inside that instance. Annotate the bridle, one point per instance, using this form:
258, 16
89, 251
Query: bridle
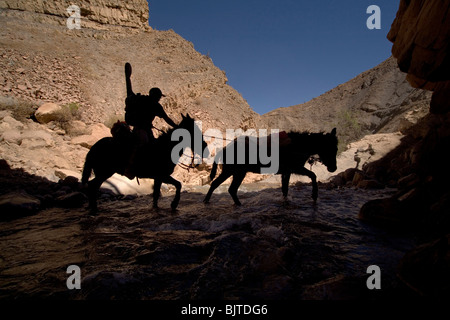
182, 165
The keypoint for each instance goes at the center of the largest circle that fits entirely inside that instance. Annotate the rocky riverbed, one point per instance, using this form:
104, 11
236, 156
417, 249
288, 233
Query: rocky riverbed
268, 248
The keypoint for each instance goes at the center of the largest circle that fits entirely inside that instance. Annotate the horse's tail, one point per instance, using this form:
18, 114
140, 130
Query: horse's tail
87, 169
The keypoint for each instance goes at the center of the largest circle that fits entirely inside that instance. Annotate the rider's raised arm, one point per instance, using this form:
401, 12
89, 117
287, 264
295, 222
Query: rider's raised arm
162, 114
128, 71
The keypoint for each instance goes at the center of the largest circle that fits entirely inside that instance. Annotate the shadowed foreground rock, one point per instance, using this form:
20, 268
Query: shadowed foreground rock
14, 205
419, 167
425, 269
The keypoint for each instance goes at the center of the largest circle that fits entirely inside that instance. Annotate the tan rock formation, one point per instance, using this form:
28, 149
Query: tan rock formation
94, 14
420, 34
98, 131
47, 112
420, 165
42, 61
89, 70
376, 101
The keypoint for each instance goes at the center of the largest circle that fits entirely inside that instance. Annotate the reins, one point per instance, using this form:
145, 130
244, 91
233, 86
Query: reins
182, 165
223, 139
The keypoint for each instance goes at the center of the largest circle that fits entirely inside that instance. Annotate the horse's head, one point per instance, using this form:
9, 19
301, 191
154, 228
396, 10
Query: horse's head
328, 150
189, 124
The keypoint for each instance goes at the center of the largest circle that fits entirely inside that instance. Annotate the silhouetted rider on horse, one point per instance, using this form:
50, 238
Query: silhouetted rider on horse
140, 111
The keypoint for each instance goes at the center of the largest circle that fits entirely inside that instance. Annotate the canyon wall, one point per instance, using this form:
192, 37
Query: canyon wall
95, 13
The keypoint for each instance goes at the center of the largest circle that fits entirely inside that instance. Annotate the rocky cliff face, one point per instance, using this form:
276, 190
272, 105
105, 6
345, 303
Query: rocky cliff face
42, 61
419, 166
420, 36
98, 14
379, 100
47, 63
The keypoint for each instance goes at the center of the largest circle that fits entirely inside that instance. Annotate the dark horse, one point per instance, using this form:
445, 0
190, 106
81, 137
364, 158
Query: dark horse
157, 161
294, 151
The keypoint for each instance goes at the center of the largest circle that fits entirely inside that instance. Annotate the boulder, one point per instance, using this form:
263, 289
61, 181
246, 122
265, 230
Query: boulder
35, 139
337, 180
370, 184
425, 269
9, 122
384, 212
64, 173
349, 174
48, 112
408, 181
357, 177
72, 200
11, 136
18, 204
70, 181
76, 128
98, 131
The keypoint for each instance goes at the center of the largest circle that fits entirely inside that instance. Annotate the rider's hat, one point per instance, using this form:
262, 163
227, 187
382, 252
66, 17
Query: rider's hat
156, 92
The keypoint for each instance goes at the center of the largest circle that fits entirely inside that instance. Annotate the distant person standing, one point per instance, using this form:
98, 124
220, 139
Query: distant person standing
140, 111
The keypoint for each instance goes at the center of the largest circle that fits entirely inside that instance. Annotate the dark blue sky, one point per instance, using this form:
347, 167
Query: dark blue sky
285, 52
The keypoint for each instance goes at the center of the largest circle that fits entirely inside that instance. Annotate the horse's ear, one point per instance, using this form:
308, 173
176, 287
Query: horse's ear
333, 132
188, 116
183, 116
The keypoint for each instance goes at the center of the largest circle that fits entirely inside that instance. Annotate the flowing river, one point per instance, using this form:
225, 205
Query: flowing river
268, 248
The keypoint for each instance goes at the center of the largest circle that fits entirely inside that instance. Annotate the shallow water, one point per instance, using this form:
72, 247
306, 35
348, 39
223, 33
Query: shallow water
267, 248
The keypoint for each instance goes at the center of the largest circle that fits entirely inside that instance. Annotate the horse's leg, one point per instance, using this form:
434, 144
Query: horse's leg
215, 184
237, 180
177, 185
156, 192
305, 172
285, 183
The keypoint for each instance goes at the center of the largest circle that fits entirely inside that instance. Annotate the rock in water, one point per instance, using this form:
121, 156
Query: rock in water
18, 204
71, 200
